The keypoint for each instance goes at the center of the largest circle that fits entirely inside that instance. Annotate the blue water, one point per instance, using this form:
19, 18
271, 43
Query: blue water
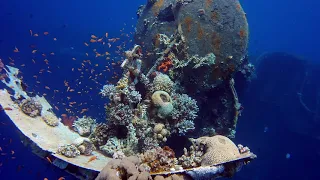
273, 124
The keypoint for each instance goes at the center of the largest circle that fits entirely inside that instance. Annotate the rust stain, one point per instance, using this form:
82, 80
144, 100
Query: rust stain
216, 43
188, 22
200, 32
215, 16
157, 6
208, 3
156, 40
243, 33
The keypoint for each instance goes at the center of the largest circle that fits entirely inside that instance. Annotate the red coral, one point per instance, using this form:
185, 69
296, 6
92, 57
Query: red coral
68, 121
165, 64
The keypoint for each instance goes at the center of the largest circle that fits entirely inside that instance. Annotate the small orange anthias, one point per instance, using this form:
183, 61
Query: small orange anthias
165, 64
92, 159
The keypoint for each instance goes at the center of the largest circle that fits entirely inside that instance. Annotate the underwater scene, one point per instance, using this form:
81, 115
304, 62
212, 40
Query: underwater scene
159, 90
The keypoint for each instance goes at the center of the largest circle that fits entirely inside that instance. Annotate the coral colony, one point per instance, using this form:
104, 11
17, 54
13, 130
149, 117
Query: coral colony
177, 80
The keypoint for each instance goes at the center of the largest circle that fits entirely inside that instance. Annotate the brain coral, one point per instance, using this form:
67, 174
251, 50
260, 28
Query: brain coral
218, 149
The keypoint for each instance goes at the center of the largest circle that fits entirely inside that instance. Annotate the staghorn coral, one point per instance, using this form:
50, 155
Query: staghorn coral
218, 149
84, 126
184, 108
162, 82
185, 126
31, 107
69, 151
134, 97
159, 159
50, 118
120, 114
108, 90
162, 101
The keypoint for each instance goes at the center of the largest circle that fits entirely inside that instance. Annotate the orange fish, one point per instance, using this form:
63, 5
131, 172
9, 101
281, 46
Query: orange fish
30, 32
16, 50
93, 36
107, 35
54, 39
52, 53
100, 40
74, 59
49, 159
45, 179
46, 33
7, 108
87, 54
92, 159
86, 44
93, 40
61, 178
33, 61
34, 51
35, 35
47, 87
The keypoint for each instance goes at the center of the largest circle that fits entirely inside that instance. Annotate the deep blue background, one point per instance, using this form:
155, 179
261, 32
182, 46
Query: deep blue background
288, 25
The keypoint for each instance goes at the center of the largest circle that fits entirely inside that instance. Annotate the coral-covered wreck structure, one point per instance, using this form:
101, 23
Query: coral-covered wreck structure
177, 81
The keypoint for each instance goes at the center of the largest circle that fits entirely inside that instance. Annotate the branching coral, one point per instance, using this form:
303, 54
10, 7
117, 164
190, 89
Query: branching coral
185, 126
193, 157
107, 90
120, 114
184, 108
84, 126
134, 97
